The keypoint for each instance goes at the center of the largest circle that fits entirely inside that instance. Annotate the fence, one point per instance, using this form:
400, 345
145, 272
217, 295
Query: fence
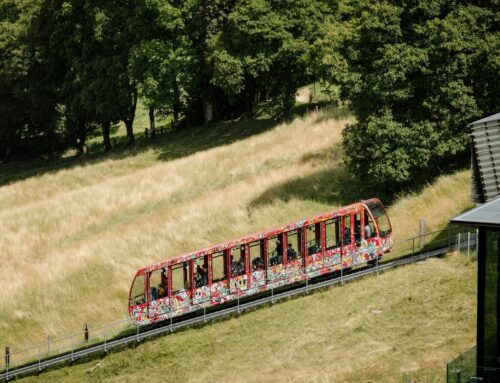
109, 335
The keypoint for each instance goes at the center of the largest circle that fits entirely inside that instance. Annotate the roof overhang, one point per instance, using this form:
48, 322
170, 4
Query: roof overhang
484, 215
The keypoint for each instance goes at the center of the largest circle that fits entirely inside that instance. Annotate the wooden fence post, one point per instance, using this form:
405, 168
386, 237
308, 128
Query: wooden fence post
421, 233
7, 357
86, 332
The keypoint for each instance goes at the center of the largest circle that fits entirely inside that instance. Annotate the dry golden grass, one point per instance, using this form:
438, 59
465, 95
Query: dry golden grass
72, 240
436, 204
400, 326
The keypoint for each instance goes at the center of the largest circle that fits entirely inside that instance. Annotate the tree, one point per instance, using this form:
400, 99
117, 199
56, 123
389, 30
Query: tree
413, 85
267, 45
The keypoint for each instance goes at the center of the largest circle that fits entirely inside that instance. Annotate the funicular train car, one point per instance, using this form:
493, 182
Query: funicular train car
342, 238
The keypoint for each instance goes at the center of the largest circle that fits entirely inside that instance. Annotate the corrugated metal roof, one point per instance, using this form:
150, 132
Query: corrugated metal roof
486, 158
487, 214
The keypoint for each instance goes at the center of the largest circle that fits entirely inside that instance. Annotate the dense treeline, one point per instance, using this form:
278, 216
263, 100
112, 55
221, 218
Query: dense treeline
415, 73
70, 66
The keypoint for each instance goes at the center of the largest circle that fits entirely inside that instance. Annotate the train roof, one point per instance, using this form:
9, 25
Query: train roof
253, 237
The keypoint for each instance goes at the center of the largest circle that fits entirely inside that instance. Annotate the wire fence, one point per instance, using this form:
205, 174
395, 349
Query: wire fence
69, 347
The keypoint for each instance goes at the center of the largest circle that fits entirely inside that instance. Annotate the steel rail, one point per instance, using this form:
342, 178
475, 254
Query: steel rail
106, 346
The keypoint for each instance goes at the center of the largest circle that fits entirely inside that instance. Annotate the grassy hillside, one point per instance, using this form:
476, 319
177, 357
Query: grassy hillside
72, 237
400, 326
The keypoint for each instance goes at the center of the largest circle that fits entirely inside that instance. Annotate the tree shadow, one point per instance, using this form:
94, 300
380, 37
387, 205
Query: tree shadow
335, 186
174, 144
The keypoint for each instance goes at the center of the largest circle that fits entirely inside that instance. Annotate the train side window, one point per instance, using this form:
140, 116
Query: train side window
256, 256
313, 239
180, 277
238, 261
357, 227
294, 246
158, 284
201, 272
332, 230
137, 295
370, 230
346, 235
218, 267
275, 250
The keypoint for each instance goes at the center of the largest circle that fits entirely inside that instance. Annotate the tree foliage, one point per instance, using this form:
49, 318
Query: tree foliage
417, 74
414, 73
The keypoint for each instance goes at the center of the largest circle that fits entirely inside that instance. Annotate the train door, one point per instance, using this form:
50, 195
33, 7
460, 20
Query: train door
294, 256
313, 257
333, 247
158, 302
276, 258
256, 255
201, 291
219, 288
348, 245
180, 286
238, 269
369, 245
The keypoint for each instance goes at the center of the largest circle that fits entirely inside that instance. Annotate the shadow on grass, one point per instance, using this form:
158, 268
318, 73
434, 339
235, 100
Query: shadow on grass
172, 145
335, 186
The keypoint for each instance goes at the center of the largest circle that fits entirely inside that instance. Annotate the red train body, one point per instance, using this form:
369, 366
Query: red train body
345, 237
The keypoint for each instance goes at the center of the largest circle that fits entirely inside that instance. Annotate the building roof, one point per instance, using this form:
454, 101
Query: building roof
486, 158
484, 215
491, 118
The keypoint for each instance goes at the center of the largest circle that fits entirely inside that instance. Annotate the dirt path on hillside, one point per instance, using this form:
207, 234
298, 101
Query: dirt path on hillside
303, 95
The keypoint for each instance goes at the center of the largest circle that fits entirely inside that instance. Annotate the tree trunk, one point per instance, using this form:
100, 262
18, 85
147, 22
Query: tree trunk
129, 125
81, 135
177, 101
152, 124
129, 121
50, 144
250, 98
106, 126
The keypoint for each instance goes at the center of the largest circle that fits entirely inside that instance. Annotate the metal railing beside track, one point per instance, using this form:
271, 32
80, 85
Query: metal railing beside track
70, 348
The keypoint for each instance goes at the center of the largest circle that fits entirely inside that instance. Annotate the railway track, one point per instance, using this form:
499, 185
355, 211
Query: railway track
204, 317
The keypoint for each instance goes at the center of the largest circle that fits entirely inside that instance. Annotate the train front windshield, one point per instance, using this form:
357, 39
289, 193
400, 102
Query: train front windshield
137, 295
378, 211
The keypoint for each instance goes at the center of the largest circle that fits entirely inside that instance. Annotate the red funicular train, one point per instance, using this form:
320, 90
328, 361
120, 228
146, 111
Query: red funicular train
345, 237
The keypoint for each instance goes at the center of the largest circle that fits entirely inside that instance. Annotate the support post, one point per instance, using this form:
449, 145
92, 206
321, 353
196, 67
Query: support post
449, 238
421, 230
458, 375
7, 358
85, 332
468, 243
477, 239
458, 247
